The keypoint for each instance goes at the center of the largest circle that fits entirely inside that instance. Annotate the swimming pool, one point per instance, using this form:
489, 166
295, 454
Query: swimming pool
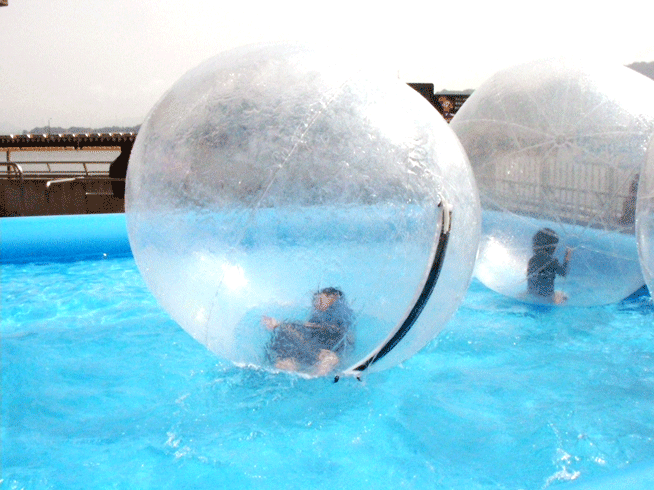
101, 389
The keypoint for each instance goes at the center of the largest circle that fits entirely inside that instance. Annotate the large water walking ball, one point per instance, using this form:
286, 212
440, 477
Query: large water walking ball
557, 148
291, 212
645, 218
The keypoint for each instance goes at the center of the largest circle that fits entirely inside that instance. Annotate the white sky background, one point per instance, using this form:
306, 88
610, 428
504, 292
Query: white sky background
106, 62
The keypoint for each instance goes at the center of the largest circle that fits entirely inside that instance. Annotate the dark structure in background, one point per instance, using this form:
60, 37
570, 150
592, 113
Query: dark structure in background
75, 186
447, 103
118, 169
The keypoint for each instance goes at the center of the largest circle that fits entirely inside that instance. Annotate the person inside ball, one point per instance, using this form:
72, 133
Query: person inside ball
543, 267
317, 345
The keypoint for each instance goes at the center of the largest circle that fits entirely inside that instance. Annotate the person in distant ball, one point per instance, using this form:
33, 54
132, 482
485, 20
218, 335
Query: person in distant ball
628, 217
543, 267
315, 346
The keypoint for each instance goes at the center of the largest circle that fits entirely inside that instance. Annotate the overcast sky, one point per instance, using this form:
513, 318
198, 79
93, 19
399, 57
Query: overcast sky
105, 62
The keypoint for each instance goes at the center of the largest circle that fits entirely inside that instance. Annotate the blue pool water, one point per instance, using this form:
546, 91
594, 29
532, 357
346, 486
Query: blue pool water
100, 389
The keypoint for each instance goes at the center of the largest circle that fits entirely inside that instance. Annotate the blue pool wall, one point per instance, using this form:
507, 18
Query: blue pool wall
78, 237
63, 238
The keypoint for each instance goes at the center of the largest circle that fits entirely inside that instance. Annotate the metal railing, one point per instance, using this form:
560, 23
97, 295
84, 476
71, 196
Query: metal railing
47, 169
41, 164
50, 183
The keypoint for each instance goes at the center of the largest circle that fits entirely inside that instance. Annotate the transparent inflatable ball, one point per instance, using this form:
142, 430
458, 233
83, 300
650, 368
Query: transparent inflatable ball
293, 213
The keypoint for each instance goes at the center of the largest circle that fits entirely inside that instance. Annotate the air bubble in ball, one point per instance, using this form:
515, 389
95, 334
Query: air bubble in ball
269, 174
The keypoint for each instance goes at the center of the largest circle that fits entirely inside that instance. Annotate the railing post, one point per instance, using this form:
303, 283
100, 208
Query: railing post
19, 171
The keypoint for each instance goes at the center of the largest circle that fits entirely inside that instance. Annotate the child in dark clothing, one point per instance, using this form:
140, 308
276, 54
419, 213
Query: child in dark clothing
316, 344
543, 267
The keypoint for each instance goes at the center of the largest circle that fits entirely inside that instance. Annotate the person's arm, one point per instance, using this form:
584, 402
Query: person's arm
568, 254
270, 323
562, 270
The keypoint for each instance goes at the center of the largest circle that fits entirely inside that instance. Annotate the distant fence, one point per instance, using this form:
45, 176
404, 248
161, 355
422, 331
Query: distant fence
590, 191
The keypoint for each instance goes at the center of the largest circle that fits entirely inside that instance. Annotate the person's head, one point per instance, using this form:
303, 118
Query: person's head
446, 103
326, 297
545, 241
